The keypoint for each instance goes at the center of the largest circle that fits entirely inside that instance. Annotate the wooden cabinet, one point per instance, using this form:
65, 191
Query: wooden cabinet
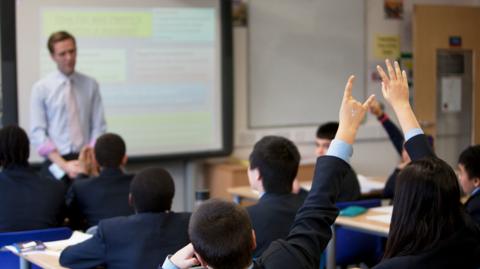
221, 176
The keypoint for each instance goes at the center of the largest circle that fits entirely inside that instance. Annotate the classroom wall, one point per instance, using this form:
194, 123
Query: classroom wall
373, 152
372, 138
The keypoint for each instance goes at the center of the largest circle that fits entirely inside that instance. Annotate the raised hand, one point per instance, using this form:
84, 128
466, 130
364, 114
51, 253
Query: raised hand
352, 113
395, 91
394, 85
376, 108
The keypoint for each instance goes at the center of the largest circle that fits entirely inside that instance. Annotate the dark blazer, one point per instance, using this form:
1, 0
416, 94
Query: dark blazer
461, 250
311, 230
93, 199
137, 241
29, 201
473, 207
272, 217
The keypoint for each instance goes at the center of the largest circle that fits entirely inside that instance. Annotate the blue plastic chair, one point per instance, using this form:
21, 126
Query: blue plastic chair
9, 260
354, 247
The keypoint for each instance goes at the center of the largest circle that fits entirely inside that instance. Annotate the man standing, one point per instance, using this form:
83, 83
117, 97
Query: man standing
66, 110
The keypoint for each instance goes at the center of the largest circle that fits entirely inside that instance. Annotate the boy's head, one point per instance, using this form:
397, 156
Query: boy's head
325, 134
110, 151
152, 190
14, 146
222, 235
469, 167
273, 164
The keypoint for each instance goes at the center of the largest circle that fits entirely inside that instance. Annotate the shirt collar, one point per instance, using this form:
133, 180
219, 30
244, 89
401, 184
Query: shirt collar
475, 191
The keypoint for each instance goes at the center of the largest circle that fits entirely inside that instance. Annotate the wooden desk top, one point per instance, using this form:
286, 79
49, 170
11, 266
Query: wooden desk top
47, 259
362, 223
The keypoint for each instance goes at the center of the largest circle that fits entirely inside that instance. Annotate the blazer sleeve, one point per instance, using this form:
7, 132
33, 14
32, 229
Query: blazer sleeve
311, 230
418, 147
88, 254
395, 135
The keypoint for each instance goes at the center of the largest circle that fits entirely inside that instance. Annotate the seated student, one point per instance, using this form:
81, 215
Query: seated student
28, 201
397, 140
350, 190
429, 227
222, 235
469, 166
273, 167
106, 195
137, 241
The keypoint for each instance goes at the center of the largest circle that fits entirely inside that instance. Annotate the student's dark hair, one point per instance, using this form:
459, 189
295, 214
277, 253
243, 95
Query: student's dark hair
221, 232
277, 160
470, 159
109, 150
327, 130
14, 146
58, 37
152, 190
427, 208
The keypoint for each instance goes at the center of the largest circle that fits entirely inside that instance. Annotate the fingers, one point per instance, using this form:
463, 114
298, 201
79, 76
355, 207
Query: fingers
405, 79
191, 262
382, 74
348, 88
384, 90
369, 101
398, 72
391, 72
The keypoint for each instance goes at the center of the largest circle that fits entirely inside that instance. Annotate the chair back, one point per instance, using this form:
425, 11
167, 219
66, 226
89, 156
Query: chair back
354, 247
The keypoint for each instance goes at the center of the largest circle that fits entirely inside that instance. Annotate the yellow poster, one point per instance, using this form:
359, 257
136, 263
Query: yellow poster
387, 46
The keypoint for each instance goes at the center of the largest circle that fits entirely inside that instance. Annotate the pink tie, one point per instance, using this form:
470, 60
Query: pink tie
73, 118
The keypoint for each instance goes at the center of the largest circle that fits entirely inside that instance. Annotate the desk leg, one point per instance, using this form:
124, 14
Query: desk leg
24, 264
331, 263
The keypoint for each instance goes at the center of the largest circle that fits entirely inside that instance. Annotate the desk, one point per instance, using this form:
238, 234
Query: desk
49, 258
46, 259
361, 223
370, 186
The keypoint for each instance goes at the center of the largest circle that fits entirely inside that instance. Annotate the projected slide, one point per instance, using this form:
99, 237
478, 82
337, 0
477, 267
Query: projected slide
158, 68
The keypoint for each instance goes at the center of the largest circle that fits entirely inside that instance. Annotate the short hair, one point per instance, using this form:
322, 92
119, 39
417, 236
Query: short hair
221, 232
109, 150
327, 130
152, 190
277, 160
58, 37
14, 146
470, 159
427, 208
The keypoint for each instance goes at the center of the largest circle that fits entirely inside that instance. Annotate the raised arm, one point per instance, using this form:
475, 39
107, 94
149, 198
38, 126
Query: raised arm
395, 91
311, 232
395, 135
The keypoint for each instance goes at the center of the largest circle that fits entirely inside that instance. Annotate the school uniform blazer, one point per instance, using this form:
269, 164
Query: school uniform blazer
138, 241
473, 207
97, 198
461, 250
311, 230
272, 217
29, 201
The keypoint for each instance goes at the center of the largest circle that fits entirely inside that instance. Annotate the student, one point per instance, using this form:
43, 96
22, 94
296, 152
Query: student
397, 140
106, 195
27, 200
222, 235
66, 111
469, 167
429, 228
350, 190
273, 167
137, 241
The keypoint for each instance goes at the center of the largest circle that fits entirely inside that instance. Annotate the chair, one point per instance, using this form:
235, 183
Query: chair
9, 260
354, 247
